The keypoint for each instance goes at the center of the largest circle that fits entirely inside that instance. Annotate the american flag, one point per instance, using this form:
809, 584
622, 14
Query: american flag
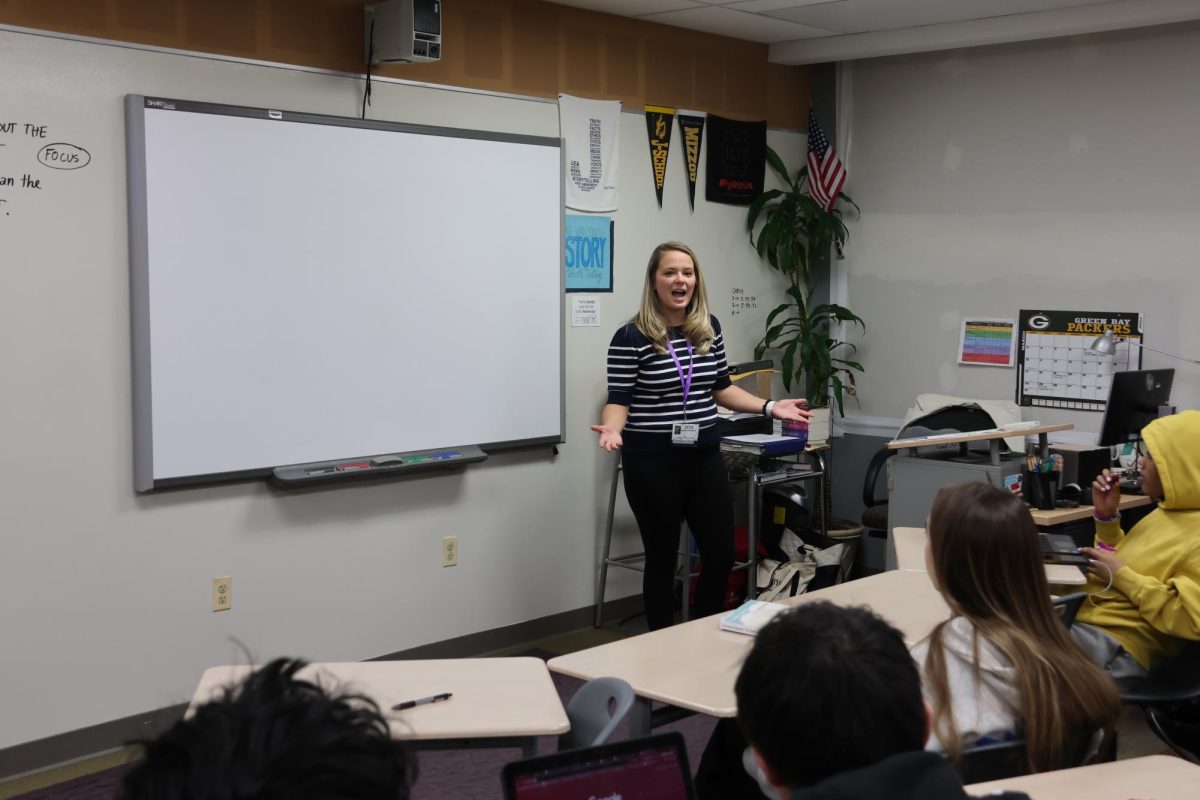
826, 174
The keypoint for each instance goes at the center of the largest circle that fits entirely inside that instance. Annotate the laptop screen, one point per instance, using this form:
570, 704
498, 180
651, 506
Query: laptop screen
653, 768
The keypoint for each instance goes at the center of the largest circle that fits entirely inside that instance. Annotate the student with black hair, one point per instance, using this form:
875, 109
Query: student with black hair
830, 703
275, 736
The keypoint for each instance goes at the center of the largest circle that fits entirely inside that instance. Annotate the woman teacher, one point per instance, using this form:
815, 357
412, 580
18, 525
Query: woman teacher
666, 374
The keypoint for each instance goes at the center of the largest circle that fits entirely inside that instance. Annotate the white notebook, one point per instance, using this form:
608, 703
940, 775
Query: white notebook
750, 616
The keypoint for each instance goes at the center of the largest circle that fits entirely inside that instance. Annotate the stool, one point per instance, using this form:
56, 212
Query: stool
636, 561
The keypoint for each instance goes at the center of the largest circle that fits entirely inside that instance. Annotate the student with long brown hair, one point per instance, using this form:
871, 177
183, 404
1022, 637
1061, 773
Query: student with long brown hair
1003, 666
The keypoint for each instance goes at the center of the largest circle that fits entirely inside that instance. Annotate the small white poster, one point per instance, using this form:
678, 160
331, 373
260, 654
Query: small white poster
585, 312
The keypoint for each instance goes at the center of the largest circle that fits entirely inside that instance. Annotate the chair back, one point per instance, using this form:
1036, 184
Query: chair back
1172, 682
1068, 606
992, 762
872, 477
595, 711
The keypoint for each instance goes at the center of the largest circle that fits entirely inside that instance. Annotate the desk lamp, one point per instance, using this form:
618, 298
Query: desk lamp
1106, 345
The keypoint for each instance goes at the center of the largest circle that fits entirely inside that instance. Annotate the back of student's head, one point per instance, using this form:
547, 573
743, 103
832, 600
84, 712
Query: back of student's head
827, 689
985, 552
275, 736
987, 562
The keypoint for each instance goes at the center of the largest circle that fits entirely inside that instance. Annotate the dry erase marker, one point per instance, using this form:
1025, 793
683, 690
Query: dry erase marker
433, 698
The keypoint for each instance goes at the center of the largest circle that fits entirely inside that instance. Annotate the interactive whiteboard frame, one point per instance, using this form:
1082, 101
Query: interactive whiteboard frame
307, 287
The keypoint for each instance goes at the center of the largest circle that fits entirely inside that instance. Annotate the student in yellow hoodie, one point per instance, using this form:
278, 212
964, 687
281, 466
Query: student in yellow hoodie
1145, 584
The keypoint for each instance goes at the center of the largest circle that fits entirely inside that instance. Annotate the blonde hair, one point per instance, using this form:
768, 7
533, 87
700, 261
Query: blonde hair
697, 324
987, 564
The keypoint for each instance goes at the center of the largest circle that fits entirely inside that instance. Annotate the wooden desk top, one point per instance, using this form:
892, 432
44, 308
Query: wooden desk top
493, 697
981, 436
694, 665
1157, 777
1060, 515
910, 556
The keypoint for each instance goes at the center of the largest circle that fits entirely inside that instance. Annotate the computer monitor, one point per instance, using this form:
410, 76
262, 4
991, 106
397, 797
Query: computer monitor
1133, 402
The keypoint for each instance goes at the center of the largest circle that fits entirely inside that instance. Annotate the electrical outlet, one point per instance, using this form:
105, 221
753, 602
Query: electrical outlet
222, 598
450, 551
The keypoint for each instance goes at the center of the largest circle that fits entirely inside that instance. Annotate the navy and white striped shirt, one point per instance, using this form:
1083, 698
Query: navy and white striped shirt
649, 383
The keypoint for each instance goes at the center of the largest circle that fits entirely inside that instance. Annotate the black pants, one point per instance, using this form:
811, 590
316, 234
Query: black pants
665, 488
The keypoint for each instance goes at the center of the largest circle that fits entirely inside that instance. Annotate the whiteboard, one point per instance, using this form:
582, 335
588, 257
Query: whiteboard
310, 288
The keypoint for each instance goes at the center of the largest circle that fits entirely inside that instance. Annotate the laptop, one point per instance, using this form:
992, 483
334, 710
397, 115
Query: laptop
653, 768
1058, 548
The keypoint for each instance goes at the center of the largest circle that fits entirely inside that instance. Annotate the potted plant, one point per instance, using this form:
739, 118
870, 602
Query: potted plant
794, 231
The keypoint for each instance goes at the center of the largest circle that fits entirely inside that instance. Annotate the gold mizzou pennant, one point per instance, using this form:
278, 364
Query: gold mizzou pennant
659, 121
691, 127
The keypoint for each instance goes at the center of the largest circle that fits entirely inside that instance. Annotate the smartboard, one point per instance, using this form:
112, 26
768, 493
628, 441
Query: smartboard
308, 288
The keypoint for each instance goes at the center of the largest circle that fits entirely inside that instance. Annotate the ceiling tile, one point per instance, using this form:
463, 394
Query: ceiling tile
631, 8
861, 16
759, 6
736, 24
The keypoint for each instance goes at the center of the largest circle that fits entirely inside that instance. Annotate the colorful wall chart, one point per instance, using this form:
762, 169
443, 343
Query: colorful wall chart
990, 342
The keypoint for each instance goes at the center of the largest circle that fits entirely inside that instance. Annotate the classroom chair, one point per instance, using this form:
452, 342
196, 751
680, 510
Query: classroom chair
595, 711
1170, 699
1068, 606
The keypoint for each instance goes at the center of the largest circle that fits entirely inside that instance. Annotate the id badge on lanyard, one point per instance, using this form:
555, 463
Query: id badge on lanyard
684, 434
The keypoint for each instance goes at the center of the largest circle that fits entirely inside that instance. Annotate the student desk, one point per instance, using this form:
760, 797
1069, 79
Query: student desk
694, 665
1158, 777
497, 702
910, 555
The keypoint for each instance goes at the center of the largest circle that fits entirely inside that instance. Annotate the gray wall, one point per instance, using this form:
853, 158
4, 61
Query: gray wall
1059, 174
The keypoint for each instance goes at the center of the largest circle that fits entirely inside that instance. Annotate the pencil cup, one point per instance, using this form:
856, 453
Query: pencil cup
1043, 489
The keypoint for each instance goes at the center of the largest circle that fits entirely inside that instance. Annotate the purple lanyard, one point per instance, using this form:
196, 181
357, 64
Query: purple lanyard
686, 380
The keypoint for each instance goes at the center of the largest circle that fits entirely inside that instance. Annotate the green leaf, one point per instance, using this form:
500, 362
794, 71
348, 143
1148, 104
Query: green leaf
756, 206
777, 164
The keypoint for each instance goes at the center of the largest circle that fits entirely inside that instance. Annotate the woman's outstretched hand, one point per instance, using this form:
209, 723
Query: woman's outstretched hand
610, 439
792, 409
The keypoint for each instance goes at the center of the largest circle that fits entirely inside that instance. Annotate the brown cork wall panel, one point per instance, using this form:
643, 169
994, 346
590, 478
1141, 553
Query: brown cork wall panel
534, 65
524, 47
161, 17
788, 94
709, 80
579, 56
222, 26
667, 79
746, 87
484, 47
622, 66
295, 32
87, 16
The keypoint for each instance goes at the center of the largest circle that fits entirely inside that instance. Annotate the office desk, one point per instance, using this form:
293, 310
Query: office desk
992, 437
915, 480
910, 555
694, 665
497, 702
1061, 516
1157, 777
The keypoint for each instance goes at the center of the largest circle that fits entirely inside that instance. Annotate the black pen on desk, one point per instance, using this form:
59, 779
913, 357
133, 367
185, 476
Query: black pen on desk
433, 698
